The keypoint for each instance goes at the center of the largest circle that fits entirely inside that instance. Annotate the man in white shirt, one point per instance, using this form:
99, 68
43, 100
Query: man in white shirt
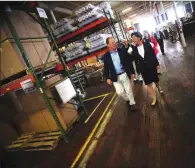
118, 69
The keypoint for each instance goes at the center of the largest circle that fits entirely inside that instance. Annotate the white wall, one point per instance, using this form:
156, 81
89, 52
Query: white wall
146, 21
171, 13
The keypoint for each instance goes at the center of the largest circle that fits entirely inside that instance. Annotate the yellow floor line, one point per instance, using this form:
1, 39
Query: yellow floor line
95, 109
97, 136
92, 98
92, 133
94, 142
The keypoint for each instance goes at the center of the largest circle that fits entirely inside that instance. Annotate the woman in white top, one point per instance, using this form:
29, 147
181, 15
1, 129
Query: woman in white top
148, 64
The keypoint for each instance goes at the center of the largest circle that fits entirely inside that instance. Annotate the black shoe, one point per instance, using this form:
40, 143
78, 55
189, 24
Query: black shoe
133, 108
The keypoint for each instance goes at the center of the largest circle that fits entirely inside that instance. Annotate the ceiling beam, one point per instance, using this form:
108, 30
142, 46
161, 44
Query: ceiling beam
137, 12
57, 9
62, 10
124, 5
85, 4
133, 10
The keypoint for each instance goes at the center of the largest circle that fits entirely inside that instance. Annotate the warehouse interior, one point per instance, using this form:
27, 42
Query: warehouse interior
56, 109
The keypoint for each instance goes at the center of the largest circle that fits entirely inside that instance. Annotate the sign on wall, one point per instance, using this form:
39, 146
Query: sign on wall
42, 13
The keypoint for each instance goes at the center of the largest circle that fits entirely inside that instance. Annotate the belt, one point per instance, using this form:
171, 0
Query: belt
120, 73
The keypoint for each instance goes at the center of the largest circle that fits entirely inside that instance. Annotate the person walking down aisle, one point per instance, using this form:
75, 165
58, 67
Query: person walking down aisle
148, 64
132, 54
160, 38
166, 33
151, 39
118, 69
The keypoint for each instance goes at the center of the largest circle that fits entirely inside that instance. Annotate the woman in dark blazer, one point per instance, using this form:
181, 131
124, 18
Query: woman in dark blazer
148, 64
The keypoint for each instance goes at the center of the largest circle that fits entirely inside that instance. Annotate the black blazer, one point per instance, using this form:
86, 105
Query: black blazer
109, 70
161, 36
150, 60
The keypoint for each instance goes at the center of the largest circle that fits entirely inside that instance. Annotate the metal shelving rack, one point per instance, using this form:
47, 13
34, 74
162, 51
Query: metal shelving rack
14, 82
105, 22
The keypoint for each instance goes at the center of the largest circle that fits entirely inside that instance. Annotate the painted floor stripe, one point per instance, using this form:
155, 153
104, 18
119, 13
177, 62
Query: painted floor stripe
95, 109
98, 134
96, 97
92, 133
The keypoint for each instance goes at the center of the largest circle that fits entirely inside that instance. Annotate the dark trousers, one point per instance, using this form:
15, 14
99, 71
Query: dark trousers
161, 44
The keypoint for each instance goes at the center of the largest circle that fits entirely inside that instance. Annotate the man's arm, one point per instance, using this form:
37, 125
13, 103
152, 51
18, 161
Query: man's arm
106, 70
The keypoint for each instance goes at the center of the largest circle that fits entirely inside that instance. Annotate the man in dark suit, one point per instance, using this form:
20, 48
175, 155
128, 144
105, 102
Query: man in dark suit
118, 69
160, 38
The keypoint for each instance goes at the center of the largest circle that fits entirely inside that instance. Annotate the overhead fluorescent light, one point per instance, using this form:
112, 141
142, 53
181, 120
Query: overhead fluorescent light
133, 15
128, 9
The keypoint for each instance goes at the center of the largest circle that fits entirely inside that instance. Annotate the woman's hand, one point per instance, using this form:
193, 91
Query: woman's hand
130, 50
158, 67
109, 82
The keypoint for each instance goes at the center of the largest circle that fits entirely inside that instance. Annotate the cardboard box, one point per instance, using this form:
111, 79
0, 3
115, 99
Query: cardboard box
36, 115
36, 49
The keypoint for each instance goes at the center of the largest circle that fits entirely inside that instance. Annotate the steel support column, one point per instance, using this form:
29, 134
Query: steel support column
180, 27
28, 63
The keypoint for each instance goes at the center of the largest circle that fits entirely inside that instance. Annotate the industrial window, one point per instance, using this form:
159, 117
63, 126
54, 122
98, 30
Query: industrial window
166, 15
158, 19
188, 8
162, 16
193, 5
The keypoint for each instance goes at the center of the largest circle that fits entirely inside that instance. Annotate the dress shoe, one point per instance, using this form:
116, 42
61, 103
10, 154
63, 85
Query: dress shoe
133, 108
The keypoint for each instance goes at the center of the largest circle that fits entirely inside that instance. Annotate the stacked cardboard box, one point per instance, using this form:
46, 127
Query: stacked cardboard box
37, 49
33, 114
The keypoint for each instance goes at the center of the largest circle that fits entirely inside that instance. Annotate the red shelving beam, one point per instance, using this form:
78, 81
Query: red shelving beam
83, 29
14, 85
59, 67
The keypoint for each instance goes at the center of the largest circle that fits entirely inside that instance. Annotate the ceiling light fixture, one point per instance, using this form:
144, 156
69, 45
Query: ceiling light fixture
126, 9
133, 15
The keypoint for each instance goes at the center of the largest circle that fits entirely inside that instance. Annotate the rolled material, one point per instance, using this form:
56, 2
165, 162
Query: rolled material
84, 9
87, 15
90, 20
97, 48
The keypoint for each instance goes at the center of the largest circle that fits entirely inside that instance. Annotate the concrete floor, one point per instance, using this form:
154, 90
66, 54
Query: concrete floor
160, 137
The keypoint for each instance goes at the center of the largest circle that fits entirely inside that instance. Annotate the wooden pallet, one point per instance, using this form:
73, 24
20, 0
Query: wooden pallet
20, 142
43, 141
36, 141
